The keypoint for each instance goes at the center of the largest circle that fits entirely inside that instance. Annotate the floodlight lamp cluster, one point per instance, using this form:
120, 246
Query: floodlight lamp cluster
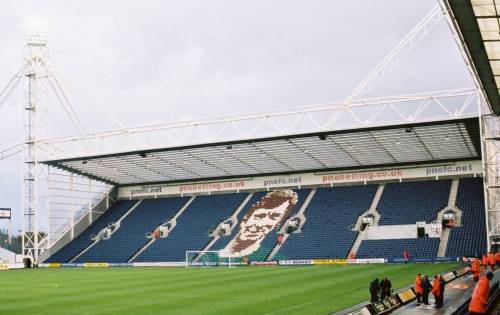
36, 37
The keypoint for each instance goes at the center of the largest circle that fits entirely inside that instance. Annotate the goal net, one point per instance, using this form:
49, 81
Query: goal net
207, 258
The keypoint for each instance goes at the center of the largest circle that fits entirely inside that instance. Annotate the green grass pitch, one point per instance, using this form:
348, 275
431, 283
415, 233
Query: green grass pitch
242, 290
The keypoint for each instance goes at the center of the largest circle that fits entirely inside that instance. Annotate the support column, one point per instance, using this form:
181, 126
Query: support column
10, 231
490, 146
72, 201
90, 201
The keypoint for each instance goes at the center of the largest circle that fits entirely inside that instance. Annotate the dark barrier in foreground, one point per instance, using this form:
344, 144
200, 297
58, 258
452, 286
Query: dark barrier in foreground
399, 299
492, 300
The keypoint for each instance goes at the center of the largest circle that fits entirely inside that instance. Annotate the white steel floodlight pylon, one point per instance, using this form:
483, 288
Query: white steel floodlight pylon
35, 127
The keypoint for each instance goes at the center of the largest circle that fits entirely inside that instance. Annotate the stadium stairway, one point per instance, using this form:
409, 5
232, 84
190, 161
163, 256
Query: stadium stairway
376, 218
172, 222
300, 214
452, 199
84, 239
445, 234
443, 243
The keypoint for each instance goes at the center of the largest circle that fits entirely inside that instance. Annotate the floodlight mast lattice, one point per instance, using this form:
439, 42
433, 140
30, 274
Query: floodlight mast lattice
35, 126
405, 46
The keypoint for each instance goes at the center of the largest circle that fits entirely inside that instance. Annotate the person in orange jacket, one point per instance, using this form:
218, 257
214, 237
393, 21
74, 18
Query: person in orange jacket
476, 267
436, 291
406, 255
479, 301
497, 256
492, 261
418, 288
484, 261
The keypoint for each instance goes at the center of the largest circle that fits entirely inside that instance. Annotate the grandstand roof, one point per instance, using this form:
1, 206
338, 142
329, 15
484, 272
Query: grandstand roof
430, 142
478, 23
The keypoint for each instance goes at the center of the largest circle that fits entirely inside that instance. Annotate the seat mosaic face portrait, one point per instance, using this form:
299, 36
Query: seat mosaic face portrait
263, 217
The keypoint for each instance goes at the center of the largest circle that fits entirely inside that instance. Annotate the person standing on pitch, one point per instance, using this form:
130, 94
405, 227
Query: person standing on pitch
426, 289
479, 301
374, 287
418, 288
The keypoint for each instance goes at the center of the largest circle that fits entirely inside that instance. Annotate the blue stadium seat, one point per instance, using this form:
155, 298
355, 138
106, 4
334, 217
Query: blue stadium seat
329, 218
193, 228
83, 240
411, 202
470, 238
393, 249
131, 235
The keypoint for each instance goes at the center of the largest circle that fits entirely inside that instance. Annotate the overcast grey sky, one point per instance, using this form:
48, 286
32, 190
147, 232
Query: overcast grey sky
162, 61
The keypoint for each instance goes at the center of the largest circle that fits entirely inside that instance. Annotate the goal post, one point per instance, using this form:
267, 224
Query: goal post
207, 258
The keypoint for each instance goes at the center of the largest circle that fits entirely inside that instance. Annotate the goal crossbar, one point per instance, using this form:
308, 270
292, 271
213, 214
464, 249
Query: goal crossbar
207, 258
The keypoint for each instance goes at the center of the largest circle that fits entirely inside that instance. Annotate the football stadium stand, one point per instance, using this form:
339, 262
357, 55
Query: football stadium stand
328, 231
133, 230
84, 240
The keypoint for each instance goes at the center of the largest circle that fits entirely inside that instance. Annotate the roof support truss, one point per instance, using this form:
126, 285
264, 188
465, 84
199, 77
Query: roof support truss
364, 113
